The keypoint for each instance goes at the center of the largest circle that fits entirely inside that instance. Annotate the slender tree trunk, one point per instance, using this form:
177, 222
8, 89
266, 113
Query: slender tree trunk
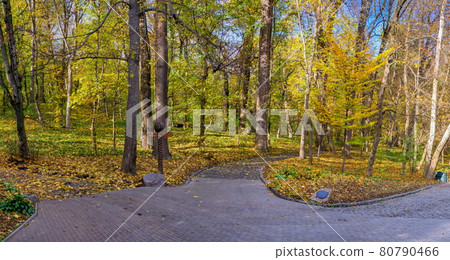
33, 90
415, 138
310, 146
407, 131
114, 124
285, 103
69, 93
330, 138
393, 18
437, 153
246, 63
429, 147
130, 146
226, 95
262, 93
377, 137
145, 79
308, 69
10, 63
202, 117
162, 70
94, 126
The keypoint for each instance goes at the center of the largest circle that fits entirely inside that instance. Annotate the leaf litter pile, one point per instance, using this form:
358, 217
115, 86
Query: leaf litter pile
297, 179
61, 177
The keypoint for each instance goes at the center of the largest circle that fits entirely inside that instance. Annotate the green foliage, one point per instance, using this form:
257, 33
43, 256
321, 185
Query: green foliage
14, 201
18, 204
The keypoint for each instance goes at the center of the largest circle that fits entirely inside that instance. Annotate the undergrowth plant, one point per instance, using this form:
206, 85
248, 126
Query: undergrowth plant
11, 200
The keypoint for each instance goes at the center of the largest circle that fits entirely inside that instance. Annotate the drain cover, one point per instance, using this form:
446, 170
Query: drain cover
321, 194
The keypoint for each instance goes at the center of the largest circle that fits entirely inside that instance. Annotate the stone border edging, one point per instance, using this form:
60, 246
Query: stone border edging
24, 223
350, 204
191, 177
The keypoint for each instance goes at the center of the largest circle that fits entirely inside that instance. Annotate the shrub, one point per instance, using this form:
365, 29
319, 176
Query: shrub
14, 201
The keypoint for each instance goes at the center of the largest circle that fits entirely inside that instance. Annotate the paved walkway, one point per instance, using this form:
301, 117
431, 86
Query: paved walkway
229, 203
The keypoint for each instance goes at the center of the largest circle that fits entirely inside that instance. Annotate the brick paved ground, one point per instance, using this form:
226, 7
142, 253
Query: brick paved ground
223, 204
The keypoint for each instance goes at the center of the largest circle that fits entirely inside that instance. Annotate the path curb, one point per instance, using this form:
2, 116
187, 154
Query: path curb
341, 205
191, 177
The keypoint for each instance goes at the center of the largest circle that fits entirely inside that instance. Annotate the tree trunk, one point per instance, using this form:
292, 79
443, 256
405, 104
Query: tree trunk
415, 139
246, 63
202, 116
429, 147
161, 78
226, 103
394, 17
114, 124
262, 93
407, 131
286, 104
130, 146
94, 126
437, 153
330, 138
308, 69
145, 79
33, 90
377, 137
69, 84
310, 146
12, 75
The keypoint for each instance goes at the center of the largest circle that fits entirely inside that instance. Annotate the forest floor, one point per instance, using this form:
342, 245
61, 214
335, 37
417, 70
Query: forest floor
64, 164
298, 179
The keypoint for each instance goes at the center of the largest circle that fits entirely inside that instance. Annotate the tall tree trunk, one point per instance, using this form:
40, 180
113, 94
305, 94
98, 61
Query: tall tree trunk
130, 146
226, 96
114, 124
308, 67
69, 85
10, 63
437, 153
33, 90
162, 70
145, 79
285, 103
393, 18
429, 147
262, 95
202, 117
377, 137
330, 138
407, 131
94, 126
415, 138
246, 63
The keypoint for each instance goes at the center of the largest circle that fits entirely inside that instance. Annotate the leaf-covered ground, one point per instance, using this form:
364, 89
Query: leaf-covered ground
64, 165
295, 178
9, 222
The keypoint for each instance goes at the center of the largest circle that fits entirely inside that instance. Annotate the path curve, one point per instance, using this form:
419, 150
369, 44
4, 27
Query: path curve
229, 203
